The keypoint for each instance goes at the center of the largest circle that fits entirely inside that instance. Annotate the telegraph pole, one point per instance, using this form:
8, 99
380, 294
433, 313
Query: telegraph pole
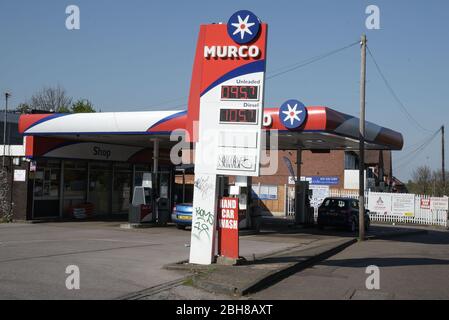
362, 141
7, 95
443, 171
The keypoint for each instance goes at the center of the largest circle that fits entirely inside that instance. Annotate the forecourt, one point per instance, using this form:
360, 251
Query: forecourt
224, 123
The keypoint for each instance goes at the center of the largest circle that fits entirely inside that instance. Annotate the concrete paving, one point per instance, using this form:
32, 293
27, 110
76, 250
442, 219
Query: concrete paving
411, 267
311, 246
116, 262
112, 261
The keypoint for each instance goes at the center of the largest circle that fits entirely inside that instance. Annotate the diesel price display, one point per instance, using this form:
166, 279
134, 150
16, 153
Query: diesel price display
238, 115
240, 92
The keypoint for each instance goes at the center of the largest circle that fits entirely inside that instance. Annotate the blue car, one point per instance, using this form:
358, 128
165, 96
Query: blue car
182, 215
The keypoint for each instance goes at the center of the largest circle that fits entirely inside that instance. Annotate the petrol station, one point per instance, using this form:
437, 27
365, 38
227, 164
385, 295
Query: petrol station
123, 162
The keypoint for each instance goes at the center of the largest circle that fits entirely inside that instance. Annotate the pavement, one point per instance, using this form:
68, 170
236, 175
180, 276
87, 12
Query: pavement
259, 272
410, 267
117, 263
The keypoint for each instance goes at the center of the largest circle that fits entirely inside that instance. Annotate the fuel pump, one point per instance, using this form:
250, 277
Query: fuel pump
141, 209
304, 212
151, 200
162, 201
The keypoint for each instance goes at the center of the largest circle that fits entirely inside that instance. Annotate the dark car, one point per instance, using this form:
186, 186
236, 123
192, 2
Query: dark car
341, 212
182, 215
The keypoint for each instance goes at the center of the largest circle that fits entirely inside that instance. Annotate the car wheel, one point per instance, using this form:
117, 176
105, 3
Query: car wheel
353, 225
367, 225
180, 227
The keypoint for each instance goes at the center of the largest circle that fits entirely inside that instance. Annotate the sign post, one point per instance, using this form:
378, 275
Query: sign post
226, 99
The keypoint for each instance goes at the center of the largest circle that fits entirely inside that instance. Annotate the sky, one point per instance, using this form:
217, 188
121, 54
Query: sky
138, 55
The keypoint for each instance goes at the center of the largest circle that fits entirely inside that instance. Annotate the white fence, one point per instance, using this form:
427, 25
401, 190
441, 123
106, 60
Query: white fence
422, 214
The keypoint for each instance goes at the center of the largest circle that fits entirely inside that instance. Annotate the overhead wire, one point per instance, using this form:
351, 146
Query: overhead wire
393, 93
276, 73
409, 157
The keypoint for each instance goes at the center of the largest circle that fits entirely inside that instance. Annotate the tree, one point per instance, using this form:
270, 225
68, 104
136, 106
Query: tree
422, 180
82, 106
23, 108
428, 182
51, 99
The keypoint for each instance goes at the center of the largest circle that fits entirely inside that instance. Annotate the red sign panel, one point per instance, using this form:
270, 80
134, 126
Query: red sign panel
228, 228
425, 203
145, 210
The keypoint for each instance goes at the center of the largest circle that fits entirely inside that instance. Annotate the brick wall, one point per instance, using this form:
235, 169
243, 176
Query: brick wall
313, 164
21, 208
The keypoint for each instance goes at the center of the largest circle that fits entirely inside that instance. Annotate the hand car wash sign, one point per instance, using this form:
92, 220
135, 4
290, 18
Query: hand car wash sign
226, 100
228, 228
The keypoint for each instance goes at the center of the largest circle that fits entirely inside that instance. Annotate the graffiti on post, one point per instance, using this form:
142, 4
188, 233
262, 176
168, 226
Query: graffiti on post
204, 186
235, 162
203, 224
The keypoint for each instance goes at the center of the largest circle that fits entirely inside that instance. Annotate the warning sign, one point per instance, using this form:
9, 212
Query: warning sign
425, 203
228, 224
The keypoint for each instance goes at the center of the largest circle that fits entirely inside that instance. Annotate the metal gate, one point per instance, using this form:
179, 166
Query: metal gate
290, 201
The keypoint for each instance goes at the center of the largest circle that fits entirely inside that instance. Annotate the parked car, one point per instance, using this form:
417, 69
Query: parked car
341, 212
182, 215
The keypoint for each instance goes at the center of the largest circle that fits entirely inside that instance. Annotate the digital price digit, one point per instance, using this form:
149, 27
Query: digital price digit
240, 92
238, 115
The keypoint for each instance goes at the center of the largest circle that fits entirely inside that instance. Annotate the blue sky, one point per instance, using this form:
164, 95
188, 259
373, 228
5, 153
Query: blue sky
135, 55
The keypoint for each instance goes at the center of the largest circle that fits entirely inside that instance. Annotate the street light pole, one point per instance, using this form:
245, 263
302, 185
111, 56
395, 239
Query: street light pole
7, 95
362, 141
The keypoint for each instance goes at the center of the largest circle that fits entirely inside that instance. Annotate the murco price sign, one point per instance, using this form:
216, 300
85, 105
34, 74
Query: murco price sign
231, 101
226, 98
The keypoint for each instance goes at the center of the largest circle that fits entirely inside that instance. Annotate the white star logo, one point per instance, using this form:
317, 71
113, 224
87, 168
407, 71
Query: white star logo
292, 114
242, 26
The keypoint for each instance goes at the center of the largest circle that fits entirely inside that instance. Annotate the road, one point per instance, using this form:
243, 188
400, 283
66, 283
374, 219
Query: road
112, 261
412, 267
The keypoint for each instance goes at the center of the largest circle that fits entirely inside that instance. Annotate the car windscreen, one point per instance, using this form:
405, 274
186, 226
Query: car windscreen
354, 204
335, 204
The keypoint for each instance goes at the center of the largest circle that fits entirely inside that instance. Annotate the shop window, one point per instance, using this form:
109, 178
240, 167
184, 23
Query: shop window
75, 185
265, 192
351, 161
121, 196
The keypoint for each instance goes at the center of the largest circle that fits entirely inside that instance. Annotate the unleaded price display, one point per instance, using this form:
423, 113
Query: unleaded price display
240, 92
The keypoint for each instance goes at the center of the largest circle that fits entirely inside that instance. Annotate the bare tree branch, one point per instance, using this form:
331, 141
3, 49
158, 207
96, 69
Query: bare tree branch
51, 99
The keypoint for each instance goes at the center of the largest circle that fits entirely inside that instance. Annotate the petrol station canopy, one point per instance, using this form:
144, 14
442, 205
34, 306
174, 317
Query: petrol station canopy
324, 129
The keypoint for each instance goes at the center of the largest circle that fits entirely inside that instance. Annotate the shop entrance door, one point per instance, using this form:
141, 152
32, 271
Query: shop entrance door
100, 187
46, 189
